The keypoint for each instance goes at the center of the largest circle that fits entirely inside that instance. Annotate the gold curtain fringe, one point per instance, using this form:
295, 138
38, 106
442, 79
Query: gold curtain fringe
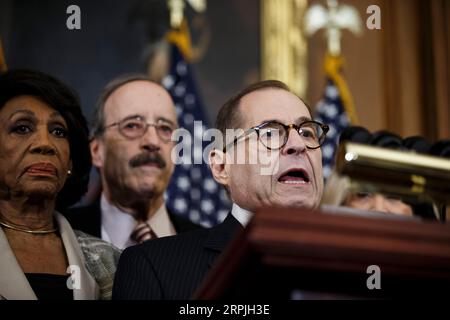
182, 39
333, 65
3, 66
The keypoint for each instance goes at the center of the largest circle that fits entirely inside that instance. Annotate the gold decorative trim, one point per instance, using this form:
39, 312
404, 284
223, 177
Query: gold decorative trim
283, 44
3, 66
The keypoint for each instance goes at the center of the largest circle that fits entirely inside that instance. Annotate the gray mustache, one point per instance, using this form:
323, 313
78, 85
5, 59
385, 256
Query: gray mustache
147, 158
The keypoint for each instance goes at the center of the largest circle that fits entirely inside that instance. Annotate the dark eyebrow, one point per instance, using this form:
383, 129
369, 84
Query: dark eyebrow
28, 112
271, 120
299, 120
303, 119
31, 114
56, 114
58, 118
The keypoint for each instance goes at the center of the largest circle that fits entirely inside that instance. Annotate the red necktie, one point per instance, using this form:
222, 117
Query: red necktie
142, 232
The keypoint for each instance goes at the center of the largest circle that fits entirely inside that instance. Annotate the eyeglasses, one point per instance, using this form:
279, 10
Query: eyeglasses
136, 126
274, 135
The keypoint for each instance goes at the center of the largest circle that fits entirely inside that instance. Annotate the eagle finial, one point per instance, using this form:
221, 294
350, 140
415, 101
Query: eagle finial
334, 20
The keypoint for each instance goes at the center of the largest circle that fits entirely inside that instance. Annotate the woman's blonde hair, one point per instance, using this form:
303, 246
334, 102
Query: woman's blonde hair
336, 189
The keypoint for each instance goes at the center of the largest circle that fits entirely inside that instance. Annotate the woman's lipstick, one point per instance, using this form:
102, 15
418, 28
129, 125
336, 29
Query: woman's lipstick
42, 169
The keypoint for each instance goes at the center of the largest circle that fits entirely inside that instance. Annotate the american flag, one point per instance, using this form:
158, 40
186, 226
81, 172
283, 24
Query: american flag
330, 110
192, 193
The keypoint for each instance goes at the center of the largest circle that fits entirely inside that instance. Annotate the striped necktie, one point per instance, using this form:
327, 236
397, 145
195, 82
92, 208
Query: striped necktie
142, 232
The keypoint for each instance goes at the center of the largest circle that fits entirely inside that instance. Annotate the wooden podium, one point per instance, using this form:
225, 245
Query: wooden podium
302, 254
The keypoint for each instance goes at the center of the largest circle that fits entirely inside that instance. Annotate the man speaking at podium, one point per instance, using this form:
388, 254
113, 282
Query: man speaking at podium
278, 131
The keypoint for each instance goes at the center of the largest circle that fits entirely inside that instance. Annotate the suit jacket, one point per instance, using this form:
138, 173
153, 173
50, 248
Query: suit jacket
171, 267
96, 260
88, 219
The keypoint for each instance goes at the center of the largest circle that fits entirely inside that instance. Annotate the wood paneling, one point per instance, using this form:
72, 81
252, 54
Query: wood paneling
439, 10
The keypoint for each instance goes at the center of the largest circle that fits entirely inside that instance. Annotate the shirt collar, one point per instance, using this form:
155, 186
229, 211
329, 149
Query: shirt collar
241, 215
161, 224
117, 225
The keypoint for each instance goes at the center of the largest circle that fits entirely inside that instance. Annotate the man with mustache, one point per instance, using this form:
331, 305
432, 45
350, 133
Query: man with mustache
278, 130
131, 147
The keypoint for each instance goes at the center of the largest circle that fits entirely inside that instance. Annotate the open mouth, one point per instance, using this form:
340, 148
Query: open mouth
294, 176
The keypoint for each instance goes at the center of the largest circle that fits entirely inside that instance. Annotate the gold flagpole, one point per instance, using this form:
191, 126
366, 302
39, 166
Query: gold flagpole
3, 66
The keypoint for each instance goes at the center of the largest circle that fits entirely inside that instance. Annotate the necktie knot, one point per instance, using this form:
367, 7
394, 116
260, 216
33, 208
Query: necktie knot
142, 232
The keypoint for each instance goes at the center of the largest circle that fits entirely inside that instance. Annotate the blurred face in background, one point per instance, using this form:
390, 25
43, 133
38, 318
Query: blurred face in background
136, 165
378, 202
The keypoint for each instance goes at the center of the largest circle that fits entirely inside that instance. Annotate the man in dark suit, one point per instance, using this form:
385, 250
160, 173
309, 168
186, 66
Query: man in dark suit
89, 219
131, 147
287, 173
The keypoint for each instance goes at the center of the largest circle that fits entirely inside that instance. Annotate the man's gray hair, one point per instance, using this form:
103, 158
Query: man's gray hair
98, 120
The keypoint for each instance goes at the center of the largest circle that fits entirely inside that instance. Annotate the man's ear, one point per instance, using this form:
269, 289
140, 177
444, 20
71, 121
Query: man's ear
97, 152
217, 164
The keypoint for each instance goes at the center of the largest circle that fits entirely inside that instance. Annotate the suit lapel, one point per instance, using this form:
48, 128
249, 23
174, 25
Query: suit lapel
15, 286
220, 236
181, 224
177, 223
13, 283
88, 289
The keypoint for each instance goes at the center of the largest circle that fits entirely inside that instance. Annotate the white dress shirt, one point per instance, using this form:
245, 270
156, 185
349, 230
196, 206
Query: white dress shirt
118, 225
241, 215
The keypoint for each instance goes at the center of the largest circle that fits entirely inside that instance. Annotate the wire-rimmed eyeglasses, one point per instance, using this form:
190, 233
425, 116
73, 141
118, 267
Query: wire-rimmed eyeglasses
274, 135
136, 126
